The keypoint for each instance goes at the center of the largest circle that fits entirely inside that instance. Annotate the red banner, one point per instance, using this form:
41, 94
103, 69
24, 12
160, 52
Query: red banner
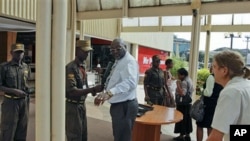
145, 58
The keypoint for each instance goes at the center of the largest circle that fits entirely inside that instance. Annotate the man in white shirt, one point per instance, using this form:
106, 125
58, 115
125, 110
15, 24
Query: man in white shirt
120, 91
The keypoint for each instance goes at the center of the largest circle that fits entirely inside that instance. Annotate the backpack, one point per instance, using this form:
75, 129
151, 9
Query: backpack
197, 109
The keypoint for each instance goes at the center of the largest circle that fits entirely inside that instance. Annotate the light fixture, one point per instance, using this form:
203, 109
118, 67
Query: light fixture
231, 35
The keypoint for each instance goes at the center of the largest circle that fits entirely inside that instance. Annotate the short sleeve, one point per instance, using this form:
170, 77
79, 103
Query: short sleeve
228, 102
184, 87
1, 75
146, 77
70, 80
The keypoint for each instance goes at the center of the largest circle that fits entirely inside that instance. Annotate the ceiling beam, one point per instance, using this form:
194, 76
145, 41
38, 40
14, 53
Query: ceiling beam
225, 8
169, 10
104, 14
214, 28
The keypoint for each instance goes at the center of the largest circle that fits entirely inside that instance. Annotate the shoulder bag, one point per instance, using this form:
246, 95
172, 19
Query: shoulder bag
197, 109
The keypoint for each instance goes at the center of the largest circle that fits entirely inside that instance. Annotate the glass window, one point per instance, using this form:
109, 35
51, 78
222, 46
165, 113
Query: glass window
149, 21
240, 19
186, 20
217, 19
171, 20
130, 22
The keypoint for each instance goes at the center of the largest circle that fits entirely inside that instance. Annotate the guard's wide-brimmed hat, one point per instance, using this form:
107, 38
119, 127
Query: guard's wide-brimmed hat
84, 45
17, 47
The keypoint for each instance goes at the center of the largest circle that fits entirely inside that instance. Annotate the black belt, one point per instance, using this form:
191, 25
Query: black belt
74, 101
123, 102
155, 88
13, 97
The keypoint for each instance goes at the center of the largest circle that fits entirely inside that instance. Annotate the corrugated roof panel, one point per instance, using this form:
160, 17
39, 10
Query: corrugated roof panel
88, 5
164, 2
143, 3
111, 4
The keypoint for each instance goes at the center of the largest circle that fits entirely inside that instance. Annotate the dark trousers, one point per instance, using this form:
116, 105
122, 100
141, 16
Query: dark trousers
123, 117
184, 127
76, 122
14, 119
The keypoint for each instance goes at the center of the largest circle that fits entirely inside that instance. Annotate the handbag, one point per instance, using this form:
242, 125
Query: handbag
183, 100
197, 110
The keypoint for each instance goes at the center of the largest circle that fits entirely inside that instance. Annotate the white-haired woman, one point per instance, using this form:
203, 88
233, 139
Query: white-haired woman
234, 101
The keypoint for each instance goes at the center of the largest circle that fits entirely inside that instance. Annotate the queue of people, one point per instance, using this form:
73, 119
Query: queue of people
225, 90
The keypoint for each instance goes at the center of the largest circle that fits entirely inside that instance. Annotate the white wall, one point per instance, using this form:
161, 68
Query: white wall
157, 40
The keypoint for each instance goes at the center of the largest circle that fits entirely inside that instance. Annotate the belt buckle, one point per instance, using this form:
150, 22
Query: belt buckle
74, 101
11, 97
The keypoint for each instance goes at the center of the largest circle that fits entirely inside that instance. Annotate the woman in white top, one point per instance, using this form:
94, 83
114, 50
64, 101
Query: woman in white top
233, 104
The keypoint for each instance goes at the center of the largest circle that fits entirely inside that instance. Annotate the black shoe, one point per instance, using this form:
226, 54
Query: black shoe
179, 138
187, 138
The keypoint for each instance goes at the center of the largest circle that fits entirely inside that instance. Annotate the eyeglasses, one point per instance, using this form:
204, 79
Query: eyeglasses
115, 49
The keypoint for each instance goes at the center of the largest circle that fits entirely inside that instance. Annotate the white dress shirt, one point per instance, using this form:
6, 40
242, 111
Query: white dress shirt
124, 79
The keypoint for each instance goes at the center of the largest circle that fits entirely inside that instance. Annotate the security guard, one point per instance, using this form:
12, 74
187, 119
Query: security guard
15, 106
76, 93
154, 87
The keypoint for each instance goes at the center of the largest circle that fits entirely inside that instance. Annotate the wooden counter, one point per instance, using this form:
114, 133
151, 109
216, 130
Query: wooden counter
148, 126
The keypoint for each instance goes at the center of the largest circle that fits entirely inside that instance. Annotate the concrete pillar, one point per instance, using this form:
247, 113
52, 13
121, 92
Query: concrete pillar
195, 37
208, 37
50, 70
81, 30
119, 27
58, 70
43, 70
177, 50
134, 52
71, 31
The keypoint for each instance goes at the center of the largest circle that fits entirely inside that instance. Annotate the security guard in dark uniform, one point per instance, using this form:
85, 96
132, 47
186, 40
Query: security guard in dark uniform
15, 106
76, 93
154, 83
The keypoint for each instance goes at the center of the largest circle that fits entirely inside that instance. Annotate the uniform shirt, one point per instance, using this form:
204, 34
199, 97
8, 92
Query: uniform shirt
233, 106
124, 79
154, 78
75, 79
13, 75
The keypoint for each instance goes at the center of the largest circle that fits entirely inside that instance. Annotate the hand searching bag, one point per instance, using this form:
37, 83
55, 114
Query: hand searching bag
184, 100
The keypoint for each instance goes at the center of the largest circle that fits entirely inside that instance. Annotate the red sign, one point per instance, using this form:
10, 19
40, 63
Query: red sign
145, 58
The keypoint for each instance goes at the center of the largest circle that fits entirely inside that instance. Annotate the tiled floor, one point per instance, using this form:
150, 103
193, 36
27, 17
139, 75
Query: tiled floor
102, 113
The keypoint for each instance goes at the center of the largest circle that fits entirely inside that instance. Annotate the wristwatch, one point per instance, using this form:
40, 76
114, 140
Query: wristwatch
109, 94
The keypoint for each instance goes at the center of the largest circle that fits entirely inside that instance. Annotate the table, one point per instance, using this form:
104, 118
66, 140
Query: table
148, 126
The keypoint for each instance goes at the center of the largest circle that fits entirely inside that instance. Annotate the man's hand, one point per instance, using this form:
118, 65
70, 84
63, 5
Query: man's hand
98, 88
146, 98
101, 98
19, 93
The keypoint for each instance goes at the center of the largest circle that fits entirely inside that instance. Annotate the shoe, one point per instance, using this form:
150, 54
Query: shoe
179, 138
187, 138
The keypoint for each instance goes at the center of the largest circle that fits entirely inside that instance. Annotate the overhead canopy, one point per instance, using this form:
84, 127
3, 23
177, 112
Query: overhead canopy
99, 9
7, 24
